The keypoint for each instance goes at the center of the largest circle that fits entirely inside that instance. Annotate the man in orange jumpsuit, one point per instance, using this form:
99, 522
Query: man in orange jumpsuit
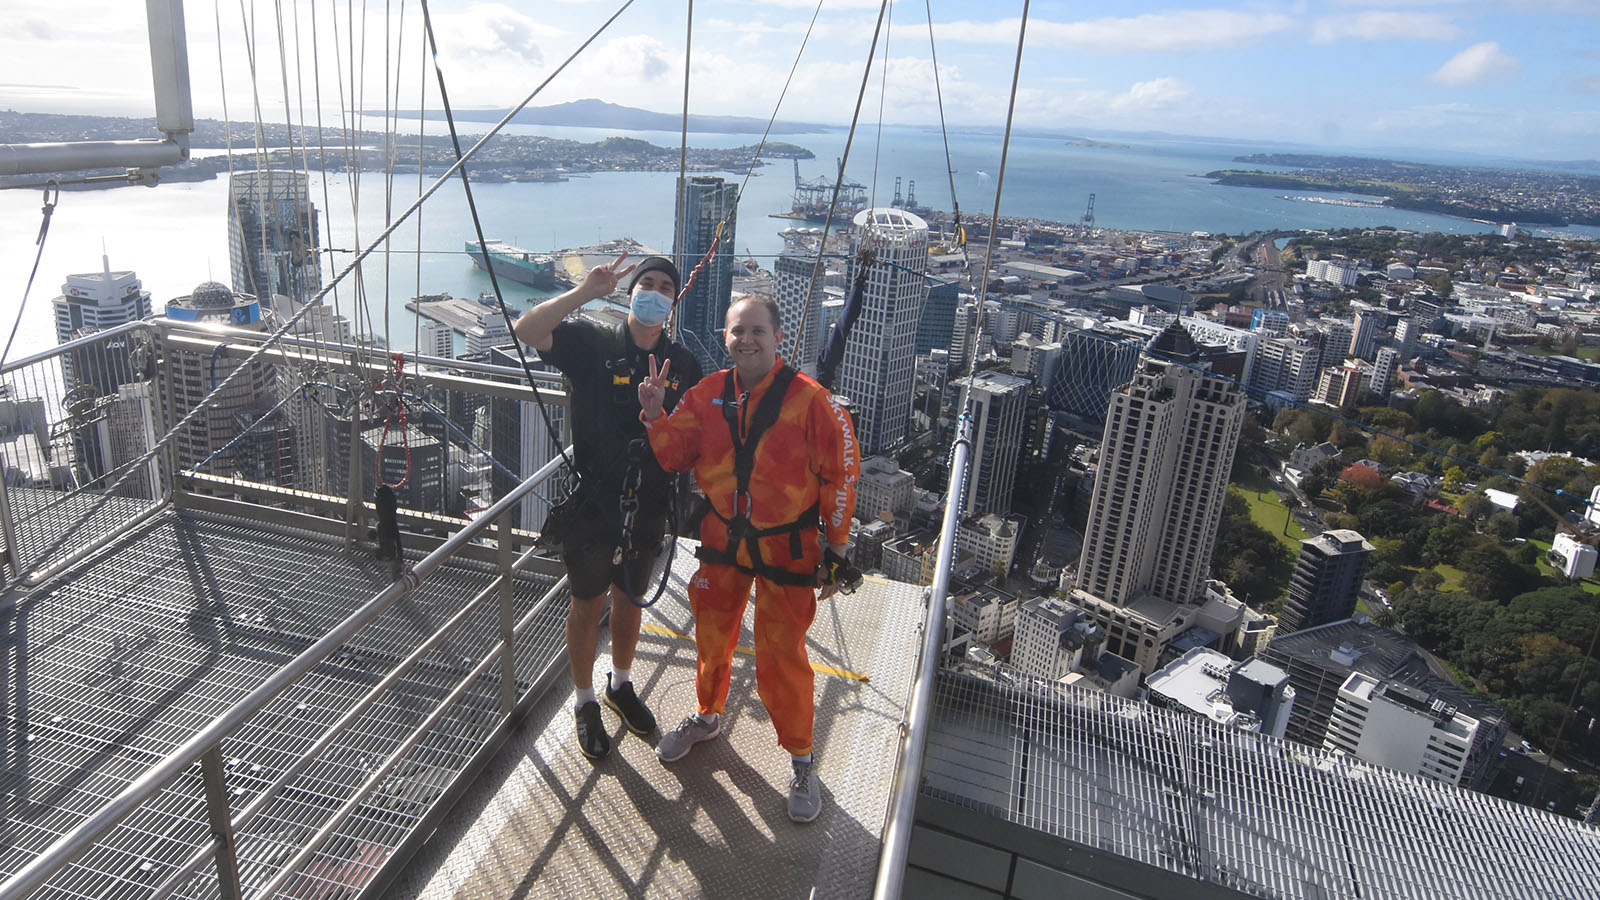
774, 454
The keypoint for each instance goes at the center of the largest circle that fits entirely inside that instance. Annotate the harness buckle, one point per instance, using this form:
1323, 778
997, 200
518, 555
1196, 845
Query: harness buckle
741, 504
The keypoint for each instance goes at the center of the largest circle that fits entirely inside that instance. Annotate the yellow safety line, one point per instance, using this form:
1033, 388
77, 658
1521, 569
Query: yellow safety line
820, 668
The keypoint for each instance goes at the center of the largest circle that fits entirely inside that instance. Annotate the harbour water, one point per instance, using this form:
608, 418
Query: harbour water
174, 235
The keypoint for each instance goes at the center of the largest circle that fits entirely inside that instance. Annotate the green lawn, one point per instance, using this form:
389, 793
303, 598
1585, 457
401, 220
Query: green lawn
1267, 511
1452, 577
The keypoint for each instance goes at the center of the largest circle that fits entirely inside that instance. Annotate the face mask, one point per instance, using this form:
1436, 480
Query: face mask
651, 307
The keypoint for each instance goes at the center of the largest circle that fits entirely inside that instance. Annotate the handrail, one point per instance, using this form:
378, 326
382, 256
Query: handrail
914, 728
79, 840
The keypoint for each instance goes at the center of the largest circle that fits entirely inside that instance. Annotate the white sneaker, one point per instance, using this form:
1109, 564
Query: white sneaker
805, 792
676, 744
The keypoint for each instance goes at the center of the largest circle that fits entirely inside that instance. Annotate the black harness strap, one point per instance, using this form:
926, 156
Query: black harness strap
744, 460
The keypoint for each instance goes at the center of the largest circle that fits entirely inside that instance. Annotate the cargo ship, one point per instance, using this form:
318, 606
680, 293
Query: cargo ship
540, 270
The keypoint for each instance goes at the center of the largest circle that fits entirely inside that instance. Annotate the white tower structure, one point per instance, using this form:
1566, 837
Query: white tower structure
879, 367
97, 300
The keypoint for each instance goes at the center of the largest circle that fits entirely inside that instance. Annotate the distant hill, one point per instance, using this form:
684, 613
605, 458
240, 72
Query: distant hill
600, 114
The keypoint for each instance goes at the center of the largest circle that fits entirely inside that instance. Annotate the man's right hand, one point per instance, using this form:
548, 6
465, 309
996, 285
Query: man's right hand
653, 389
603, 279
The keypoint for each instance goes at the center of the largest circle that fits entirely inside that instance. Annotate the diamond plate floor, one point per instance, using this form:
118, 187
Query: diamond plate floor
544, 822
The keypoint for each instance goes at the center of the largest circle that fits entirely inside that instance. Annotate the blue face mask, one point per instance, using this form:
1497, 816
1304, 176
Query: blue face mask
651, 307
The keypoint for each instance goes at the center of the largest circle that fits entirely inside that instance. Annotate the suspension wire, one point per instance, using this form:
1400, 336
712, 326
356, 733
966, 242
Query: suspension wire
310, 226
460, 166
944, 132
964, 423
883, 96
816, 266
322, 147
749, 170
680, 197
52, 196
422, 118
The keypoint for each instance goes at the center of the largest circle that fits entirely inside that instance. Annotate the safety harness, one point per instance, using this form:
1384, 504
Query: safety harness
740, 531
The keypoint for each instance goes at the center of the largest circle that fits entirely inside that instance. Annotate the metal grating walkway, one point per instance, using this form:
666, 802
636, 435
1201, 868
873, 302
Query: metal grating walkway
114, 665
544, 822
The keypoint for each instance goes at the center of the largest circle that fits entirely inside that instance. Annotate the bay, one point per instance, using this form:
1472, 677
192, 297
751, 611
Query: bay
174, 235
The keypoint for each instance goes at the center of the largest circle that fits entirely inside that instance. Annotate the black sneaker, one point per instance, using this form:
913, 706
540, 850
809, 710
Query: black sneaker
592, 737
626, 704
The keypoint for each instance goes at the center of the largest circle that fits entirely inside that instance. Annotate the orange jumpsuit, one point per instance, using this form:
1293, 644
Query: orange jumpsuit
808, 457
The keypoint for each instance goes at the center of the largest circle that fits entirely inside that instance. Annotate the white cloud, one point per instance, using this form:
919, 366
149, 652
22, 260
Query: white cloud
1384, 25
1165, 32
1481, 62
1590, 84
1152, 96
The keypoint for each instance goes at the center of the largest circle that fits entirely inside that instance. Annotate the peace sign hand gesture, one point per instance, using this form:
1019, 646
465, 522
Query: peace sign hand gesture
653, 389
602, 280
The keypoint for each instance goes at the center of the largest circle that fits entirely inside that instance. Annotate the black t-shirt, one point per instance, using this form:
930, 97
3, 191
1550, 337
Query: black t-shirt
603, 368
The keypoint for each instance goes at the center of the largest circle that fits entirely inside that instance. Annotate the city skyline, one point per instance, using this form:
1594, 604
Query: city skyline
1514, 80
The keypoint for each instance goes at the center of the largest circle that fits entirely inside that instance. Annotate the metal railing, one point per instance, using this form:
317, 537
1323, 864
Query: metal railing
85, 446
74, 423
907, 784
204, 747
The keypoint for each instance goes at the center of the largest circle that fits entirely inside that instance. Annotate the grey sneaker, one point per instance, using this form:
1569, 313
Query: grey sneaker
675, 744
805, 793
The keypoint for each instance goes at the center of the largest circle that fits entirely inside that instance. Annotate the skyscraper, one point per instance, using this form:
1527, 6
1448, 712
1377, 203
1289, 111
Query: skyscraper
999, 404
791, 278
1327, 579
1165, 458
99, 300
703, 203
936, 328
879, 367
1368, 328
273, 236
194, 378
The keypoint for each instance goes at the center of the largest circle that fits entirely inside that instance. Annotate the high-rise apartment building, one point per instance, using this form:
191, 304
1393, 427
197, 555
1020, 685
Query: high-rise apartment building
1383, 371
1343, 386
704, 202
1338, 271
1326, 581
879, 367
1165, 457
1405, 336
1364, 336
273, 239
1285, 364
999, 402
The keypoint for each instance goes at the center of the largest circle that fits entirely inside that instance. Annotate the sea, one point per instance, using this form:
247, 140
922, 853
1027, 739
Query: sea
174, 234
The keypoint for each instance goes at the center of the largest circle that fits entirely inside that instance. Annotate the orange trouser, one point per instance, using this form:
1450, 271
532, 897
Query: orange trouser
718, 595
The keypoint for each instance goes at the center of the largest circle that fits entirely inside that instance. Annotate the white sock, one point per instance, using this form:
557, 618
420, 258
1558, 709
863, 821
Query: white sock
620, 677
802, 759
585, 695
708, 718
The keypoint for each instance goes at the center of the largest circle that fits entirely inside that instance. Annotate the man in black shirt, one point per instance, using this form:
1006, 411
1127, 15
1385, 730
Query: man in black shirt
604, 367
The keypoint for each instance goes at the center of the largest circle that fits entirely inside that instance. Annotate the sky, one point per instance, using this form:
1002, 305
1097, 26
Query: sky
1506, 78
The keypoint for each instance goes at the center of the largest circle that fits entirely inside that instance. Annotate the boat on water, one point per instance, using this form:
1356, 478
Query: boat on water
540, 270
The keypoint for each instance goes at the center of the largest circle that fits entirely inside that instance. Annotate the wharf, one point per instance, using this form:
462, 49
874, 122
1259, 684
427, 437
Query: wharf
459, 313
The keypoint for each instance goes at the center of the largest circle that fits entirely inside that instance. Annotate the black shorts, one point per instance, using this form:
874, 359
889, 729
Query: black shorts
591, 546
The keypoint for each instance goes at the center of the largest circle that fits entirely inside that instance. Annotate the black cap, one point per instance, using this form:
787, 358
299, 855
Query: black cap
656, 264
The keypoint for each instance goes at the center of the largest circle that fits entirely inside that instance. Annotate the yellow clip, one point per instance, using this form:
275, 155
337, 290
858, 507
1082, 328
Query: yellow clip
621, 379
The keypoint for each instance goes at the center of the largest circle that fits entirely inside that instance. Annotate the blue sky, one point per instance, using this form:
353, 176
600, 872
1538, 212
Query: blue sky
1514, 78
